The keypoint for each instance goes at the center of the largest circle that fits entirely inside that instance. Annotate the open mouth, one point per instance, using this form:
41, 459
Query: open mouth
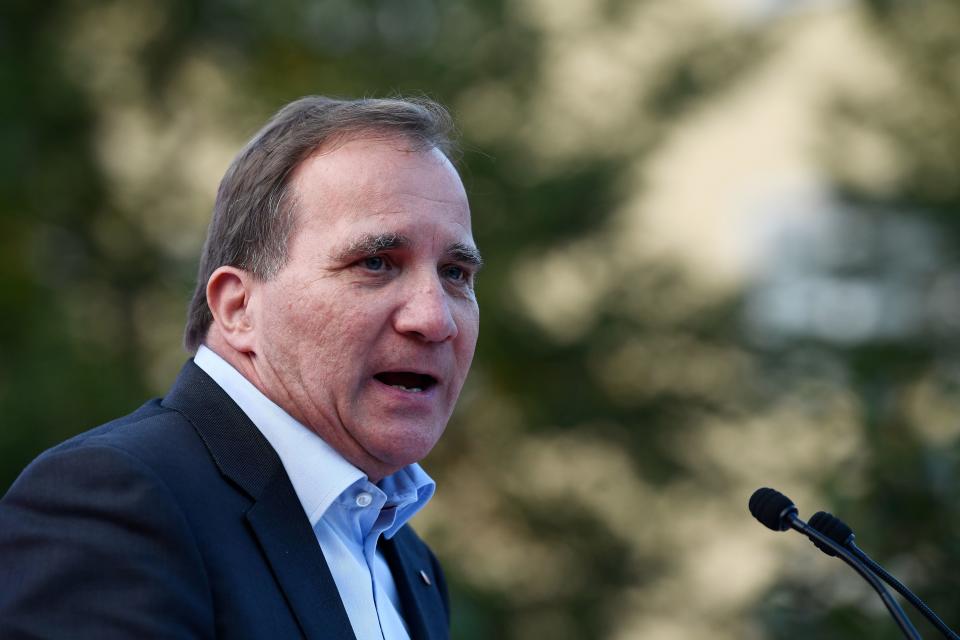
406, 380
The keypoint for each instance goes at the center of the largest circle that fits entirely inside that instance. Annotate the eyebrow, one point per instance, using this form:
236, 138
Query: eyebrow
465, 253
371, 244
374, 243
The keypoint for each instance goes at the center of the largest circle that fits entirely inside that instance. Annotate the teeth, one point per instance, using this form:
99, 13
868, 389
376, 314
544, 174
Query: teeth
407, 389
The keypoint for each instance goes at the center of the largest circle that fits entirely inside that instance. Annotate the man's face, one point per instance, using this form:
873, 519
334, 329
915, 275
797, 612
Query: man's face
367, 333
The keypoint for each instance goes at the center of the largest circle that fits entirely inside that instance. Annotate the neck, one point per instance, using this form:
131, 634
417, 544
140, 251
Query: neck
241, 361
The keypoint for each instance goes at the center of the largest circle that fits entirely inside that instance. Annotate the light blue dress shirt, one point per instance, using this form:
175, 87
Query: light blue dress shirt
348, 513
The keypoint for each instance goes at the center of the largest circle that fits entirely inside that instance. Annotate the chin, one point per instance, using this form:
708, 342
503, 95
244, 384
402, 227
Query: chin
399, 447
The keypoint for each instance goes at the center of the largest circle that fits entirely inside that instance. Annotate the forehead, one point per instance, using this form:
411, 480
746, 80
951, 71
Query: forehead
365, 185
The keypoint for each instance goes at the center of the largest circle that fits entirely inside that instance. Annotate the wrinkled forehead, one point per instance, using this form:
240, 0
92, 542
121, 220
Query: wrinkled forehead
373, 186
366, 168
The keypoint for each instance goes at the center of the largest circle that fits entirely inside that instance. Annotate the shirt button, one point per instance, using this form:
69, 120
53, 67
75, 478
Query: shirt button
364, 499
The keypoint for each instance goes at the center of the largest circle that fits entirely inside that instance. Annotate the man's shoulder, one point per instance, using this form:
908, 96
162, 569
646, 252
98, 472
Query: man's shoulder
101, 524
161, 428
153, 441
151, 431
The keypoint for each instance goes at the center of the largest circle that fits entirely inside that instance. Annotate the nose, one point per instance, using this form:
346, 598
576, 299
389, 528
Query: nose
425, 312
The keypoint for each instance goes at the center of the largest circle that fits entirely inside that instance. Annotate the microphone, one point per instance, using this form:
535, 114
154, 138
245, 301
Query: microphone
776, 511
838, 531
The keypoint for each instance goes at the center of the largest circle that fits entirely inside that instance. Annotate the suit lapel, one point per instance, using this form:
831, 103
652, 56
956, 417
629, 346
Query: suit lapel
423, 600
298, 563
245, 457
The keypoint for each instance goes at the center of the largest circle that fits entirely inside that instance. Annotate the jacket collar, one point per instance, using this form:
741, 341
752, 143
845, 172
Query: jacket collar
420, 585
245, 457
277, 519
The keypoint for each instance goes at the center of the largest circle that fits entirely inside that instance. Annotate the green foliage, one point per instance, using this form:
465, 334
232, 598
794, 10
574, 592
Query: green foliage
903, 501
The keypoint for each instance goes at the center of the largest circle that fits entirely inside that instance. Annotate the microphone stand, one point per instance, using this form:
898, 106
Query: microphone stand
909, 631
901, 588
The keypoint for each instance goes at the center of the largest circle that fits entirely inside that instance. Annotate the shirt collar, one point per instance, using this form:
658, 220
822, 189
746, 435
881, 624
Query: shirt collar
318, 473
409, 489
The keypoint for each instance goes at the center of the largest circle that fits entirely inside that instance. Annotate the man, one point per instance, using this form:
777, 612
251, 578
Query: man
266, 495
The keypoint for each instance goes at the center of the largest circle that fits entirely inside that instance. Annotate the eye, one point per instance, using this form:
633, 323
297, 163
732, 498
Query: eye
375, 263
456, 274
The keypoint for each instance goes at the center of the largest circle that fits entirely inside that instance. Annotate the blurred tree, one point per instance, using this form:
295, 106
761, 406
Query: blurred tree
68, 351
891, 150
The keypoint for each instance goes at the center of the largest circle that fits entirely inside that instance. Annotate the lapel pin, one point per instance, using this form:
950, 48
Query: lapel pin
425, 578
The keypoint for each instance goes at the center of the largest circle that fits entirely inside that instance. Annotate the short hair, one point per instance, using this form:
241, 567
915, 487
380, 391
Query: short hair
254, 215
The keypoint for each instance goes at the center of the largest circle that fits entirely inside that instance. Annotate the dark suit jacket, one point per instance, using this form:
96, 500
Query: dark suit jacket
179, 521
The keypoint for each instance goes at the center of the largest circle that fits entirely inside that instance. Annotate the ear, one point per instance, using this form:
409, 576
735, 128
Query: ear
229, 296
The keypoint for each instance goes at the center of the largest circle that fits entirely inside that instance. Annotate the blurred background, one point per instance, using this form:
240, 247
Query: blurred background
722, 239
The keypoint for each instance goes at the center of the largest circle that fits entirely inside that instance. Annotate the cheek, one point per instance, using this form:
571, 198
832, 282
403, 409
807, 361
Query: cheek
297, 327
469, 330
337, 332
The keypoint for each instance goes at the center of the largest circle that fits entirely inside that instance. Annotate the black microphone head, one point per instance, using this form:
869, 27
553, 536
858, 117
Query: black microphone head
832, 527
772, 508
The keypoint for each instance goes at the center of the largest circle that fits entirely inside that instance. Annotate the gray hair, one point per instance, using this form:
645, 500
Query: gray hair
254, 215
